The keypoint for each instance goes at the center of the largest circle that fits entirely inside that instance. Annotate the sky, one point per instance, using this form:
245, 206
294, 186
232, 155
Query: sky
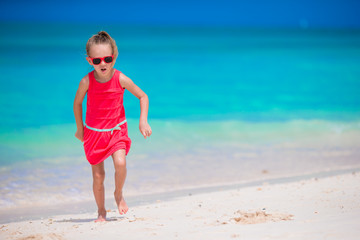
255, 13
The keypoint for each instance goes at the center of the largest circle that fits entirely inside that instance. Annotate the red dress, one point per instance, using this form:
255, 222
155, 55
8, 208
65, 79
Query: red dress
105, 110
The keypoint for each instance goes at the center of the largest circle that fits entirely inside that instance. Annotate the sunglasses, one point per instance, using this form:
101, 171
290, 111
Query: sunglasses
107, 59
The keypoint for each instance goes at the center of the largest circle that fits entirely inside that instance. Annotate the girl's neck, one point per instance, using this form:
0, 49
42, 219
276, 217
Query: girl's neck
105, 78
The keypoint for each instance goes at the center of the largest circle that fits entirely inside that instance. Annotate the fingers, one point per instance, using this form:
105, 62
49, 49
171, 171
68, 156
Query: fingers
146, 133
149, 132
81, 138
145, 130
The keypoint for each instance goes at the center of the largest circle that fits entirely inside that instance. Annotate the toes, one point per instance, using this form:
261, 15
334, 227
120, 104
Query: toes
100, 220
123, 211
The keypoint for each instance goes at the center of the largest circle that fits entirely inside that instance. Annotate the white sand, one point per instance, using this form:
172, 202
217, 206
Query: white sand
324, 208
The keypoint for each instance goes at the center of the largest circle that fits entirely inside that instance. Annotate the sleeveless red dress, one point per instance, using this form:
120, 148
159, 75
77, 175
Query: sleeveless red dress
105, 110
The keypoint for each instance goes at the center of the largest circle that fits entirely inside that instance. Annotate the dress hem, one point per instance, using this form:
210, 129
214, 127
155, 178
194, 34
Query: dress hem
111, 152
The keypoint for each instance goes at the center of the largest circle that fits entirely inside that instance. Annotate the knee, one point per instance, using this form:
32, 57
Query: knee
120, 164
99, 176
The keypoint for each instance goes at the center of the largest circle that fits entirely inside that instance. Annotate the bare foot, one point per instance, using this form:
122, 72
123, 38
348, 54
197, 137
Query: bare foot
101, 216
120, 201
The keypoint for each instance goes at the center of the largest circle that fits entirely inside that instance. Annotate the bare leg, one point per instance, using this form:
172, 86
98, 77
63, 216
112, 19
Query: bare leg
98, 173
120, 175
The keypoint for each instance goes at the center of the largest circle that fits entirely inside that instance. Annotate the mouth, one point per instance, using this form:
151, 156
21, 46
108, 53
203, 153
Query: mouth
103, 69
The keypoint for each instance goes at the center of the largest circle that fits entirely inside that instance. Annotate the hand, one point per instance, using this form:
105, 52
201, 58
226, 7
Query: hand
80, 134
145, 129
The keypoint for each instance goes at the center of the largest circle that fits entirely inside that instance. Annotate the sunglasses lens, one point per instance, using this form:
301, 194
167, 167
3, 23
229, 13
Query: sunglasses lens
96, 61
108, 59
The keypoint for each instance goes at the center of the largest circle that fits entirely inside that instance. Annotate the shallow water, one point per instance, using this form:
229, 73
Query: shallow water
181, 155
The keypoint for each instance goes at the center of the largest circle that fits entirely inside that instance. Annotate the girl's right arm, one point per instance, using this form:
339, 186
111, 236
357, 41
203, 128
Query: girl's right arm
79, 97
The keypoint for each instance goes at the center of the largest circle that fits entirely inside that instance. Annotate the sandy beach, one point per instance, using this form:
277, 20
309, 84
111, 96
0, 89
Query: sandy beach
314, 208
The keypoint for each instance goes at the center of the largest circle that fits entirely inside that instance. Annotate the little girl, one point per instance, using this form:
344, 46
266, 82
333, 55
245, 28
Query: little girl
105, 130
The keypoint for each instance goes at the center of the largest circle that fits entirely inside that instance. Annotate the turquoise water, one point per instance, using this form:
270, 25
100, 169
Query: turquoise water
240, 101
188, 73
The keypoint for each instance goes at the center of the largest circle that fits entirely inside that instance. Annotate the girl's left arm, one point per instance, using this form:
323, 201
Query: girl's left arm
128, 84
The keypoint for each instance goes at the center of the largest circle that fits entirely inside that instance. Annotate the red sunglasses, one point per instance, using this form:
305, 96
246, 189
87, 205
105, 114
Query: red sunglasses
107, 59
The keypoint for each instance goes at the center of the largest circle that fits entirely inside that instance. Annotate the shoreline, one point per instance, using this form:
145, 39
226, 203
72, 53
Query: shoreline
14, 215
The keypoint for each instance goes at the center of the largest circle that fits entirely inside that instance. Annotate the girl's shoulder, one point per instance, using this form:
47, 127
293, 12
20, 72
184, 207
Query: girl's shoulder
86, 78
85, 81
123, 79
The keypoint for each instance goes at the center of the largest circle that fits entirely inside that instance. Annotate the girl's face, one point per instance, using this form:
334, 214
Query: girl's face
100, 51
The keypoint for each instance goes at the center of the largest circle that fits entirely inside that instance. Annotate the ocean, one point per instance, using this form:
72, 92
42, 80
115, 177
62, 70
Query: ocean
227, 105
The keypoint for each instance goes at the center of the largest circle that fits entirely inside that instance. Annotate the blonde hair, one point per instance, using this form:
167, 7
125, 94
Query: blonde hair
102, 37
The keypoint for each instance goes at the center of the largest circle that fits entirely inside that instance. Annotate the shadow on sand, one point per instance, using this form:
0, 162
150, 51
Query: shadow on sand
79, 220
